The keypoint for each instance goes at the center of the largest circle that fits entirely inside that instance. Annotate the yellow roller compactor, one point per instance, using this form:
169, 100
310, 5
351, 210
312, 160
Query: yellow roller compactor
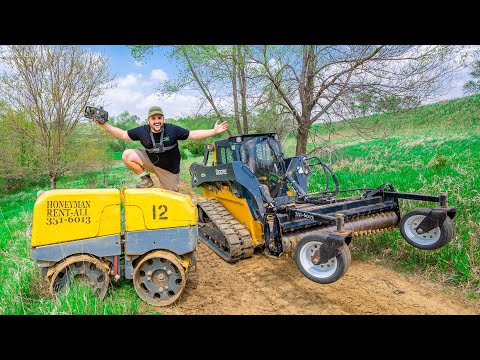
82, 234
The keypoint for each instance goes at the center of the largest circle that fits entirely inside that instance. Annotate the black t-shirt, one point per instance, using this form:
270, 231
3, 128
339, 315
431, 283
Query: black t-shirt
170, 159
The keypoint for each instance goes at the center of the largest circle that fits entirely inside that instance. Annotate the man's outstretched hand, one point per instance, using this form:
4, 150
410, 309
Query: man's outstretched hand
96, 122
219, 128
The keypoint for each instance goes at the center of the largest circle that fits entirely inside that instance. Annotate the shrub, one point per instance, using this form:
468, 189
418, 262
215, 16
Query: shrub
194, 147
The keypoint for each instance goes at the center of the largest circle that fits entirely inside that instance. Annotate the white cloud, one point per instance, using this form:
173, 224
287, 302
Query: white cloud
158, 74
139, 63
174, 106
130, 80
135, 94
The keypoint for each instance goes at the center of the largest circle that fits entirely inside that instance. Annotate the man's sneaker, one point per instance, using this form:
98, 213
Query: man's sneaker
146, 183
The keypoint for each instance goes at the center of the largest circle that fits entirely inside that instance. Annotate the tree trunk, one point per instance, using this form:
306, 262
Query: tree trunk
53, 181
243, 89
235, 92
302, 139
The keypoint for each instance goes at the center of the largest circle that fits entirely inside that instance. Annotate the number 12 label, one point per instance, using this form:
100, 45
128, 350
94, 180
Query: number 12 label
162, 210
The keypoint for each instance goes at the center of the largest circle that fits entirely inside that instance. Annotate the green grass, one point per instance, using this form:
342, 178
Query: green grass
433, 149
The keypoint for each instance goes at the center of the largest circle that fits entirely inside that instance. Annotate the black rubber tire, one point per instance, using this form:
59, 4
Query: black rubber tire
343, 260
447, 230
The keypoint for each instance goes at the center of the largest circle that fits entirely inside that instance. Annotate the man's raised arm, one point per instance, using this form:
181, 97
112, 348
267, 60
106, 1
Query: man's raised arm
118, 133
202, 134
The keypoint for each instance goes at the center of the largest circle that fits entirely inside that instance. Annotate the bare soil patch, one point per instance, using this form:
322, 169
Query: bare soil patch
261, 285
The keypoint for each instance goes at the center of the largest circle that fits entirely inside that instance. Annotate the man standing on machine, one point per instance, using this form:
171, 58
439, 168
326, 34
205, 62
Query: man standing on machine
161, 154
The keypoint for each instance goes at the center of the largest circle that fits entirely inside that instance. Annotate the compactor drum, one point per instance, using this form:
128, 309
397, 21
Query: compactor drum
255, 197
77, 234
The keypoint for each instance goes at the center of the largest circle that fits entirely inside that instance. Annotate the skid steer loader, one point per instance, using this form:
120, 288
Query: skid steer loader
255, 197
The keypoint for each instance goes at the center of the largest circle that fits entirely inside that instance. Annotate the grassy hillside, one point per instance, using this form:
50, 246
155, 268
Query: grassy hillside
429, 150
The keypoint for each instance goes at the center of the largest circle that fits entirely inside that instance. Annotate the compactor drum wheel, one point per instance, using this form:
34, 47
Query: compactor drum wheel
159, 278
81, 268
430, 240
325, 273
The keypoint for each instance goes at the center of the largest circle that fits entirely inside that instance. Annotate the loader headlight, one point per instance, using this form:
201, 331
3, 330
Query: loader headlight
238, 139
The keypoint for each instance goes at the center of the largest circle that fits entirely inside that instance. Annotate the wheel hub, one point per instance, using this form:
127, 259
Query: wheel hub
308, 259
159, 278
80, 269
419, 237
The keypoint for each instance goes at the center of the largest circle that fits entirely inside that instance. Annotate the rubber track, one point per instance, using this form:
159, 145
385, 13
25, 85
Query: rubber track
237, 236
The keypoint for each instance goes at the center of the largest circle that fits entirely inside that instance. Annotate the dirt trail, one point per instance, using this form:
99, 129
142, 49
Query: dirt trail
262, 285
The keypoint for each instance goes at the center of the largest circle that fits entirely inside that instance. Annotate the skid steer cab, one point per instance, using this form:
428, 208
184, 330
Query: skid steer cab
77, 235
255, 197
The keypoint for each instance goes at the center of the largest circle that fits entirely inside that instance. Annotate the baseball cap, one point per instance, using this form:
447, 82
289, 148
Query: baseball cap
155, 110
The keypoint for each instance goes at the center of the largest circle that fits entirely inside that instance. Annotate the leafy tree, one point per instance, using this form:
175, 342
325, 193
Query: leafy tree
48, 88
220, 73
270, 116
190, 148
21, 165
16, 148
123, 121
312, 83
473, 86
328, 83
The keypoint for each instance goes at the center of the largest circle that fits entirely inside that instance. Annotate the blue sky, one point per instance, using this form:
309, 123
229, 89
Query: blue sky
137, 82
